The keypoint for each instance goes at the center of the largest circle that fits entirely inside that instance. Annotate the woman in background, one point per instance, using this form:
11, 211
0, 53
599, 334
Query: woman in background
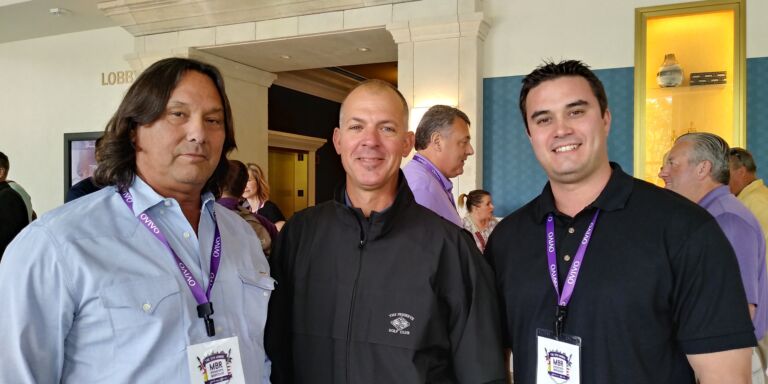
257, 195
479, 219
231, 190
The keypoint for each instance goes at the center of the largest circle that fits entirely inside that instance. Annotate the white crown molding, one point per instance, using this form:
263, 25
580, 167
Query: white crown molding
465, 25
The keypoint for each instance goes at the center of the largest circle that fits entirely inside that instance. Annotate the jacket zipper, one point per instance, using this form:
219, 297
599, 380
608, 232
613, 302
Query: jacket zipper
352, 306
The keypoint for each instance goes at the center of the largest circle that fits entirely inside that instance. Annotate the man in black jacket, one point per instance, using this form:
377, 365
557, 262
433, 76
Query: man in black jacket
372, 287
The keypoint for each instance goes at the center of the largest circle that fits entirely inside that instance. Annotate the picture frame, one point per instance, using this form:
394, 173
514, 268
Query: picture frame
79, 157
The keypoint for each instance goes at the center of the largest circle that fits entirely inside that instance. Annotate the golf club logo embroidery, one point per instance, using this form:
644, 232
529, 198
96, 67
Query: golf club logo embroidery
558, 366
400, 322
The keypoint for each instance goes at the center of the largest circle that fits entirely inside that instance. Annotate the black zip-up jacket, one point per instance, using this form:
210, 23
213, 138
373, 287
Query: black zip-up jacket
401, 297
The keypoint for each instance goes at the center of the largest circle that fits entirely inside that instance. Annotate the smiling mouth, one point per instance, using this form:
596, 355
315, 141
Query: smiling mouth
566, 148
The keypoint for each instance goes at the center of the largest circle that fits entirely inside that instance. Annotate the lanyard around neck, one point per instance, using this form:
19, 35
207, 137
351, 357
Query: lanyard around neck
564, 297
204, 307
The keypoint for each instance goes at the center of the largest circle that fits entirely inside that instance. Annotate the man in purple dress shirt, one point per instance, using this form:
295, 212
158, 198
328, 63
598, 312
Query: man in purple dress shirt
697, 168
442, 147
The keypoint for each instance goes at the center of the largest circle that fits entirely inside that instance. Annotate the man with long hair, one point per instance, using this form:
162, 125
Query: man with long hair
147, 279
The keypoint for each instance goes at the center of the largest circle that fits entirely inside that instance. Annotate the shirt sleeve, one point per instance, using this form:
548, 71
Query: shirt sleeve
474, 328
39, 309
272, 212
709, 304
278, 340
745, 242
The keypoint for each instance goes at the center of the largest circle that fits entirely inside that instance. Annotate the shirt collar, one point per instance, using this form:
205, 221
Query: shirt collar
144, 197
754, 185
447, 184
613, 197
714, 195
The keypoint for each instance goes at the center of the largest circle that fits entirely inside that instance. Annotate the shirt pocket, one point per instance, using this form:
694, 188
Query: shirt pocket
257, 289
146, 314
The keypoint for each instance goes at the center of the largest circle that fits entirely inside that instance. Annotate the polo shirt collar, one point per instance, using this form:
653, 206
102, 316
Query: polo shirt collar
444, 182
613, 197
144, 197
714, 195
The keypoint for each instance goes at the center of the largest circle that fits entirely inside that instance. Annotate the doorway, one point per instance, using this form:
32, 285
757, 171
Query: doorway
288, 179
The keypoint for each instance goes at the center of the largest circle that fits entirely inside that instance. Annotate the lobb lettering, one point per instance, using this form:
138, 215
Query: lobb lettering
117, 78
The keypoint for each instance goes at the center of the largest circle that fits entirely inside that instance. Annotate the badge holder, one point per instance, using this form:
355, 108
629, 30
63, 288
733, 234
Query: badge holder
215, 359
558, 358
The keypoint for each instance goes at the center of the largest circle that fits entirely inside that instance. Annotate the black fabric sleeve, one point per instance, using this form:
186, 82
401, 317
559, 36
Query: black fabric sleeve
710, 306
13, 217
475, 331
278, 340
271, 211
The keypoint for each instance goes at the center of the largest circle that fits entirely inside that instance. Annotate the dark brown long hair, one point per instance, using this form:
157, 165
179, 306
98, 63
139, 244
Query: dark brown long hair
144, 103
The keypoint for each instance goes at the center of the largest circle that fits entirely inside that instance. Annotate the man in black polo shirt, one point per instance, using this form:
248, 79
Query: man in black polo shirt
605, 278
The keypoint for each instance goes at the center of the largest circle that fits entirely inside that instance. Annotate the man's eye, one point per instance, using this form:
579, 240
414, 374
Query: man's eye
543, 120
356, 127
577, 112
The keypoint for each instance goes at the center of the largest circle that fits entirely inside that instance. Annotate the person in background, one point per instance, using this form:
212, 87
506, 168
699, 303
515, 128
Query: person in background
231, 190
479, 220
442, 147
753, 193
147, 280
85, 186
24, 196
697, 167
13, 211
256, 195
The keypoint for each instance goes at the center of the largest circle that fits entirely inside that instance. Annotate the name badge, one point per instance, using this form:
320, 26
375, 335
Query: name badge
216, 361
558, 360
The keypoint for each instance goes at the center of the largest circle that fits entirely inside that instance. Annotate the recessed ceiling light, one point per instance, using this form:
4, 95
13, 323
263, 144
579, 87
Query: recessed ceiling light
285, 57
363, 49
59, 11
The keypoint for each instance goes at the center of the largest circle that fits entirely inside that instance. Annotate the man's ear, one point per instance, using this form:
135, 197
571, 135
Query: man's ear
408, 143
437, 140
704, 169
337, 140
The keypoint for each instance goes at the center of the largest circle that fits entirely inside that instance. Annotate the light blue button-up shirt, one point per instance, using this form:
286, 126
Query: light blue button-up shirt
90, 296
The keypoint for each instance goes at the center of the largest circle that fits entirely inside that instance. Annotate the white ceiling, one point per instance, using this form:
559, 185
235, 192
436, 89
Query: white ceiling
331, 50
31, 19
21, 20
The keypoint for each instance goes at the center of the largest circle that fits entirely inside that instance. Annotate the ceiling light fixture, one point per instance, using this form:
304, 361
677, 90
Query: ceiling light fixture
285, 57
364, 49
59, 11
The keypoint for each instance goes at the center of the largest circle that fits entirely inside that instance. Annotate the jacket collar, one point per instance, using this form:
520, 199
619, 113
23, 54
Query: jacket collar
379, 223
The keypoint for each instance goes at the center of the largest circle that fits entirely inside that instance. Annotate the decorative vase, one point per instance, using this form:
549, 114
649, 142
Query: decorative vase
671, 73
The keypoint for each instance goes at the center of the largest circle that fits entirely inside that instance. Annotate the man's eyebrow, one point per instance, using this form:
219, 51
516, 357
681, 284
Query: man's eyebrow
577, 103
539, 113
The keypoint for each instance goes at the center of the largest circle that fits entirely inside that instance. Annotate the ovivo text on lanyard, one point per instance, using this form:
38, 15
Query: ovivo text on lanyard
204, 307
573, 273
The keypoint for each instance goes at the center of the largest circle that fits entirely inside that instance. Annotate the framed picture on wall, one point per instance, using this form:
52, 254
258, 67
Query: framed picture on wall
79, 157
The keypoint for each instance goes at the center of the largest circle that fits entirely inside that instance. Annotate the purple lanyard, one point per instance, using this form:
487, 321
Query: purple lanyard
437, 175
564, 297
204, 308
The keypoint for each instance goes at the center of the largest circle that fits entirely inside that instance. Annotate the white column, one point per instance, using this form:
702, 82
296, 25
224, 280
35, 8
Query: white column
440, 62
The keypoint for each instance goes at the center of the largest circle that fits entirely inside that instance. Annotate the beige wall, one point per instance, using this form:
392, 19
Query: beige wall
602, 33
51, 86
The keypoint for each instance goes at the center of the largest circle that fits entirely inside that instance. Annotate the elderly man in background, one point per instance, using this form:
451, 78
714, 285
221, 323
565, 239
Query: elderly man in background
442, 145
753, 193
697, 167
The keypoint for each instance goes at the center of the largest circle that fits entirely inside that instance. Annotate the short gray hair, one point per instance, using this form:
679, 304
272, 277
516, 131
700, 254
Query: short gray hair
436, 119
712, 148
